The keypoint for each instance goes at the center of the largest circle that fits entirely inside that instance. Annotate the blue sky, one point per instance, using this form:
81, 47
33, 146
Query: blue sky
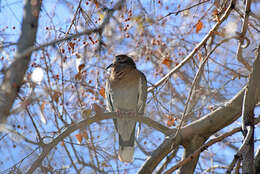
10, 22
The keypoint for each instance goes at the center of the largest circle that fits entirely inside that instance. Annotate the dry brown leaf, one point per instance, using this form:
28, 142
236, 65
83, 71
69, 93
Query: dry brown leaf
102, 92
199, 26
78, 76
96, 3
43, 106
79, 138
90, 90
167, 62
80, 67
72, 46
171, 121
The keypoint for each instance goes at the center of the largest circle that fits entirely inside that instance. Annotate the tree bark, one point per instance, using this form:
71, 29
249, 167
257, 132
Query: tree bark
250, 99
14, 75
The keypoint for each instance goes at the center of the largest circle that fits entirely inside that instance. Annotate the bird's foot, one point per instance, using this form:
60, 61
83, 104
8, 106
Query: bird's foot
131, 113
120, 113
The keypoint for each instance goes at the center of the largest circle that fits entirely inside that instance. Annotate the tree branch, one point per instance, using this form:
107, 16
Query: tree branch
196, 79
194, 51
206, 126
250, 99
242, 36
257, 161
179, 11
98, 117
14, 75
205, 146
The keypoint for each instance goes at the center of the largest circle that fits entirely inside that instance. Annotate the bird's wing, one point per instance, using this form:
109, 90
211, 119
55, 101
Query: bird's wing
142, 93
109, 101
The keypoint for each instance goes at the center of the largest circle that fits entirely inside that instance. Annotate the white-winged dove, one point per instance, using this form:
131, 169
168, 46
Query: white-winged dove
126, 92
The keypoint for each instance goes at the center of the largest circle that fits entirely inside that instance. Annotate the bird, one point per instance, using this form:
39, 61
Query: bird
126, 93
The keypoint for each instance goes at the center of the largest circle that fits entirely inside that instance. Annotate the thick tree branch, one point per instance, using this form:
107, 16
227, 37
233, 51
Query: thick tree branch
205, 146
98, 117
257, 161
196, 80
14, 75
250, 100
205, 127
163, 150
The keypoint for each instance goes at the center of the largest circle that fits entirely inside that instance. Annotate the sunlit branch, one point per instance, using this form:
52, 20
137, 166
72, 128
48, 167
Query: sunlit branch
197, 77
86, 32
179, 11
214, 167
194, 51
98, 117
205, 146
203, 125
250, 99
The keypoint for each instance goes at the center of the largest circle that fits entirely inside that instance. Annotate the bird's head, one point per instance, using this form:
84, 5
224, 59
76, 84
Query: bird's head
122, 61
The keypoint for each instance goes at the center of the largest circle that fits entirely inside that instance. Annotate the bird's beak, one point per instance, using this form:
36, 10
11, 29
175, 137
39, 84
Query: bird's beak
109, 66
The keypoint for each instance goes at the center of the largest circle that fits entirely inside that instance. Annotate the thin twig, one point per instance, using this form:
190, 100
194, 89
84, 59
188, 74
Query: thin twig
74, 17
205, 146
98, 117
197, 76
194, 51
86, 32
242, 35
179, 11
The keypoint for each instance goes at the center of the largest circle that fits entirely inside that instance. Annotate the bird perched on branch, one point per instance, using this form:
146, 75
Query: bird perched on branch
126, 93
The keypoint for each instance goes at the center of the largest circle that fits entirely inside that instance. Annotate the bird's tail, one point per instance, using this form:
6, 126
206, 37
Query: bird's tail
126, 148
126, 153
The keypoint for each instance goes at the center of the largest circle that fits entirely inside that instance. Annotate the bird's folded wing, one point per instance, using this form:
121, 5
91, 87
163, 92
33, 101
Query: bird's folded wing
142, 93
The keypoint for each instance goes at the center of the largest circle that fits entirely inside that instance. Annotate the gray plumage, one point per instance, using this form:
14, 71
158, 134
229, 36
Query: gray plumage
126, 91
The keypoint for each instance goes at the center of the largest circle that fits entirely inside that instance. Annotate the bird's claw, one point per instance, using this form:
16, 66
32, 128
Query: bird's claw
120, 113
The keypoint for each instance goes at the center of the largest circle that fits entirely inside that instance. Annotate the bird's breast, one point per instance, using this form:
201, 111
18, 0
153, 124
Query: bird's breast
125, 94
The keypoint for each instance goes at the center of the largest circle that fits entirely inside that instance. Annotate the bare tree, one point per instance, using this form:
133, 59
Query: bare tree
202, 63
